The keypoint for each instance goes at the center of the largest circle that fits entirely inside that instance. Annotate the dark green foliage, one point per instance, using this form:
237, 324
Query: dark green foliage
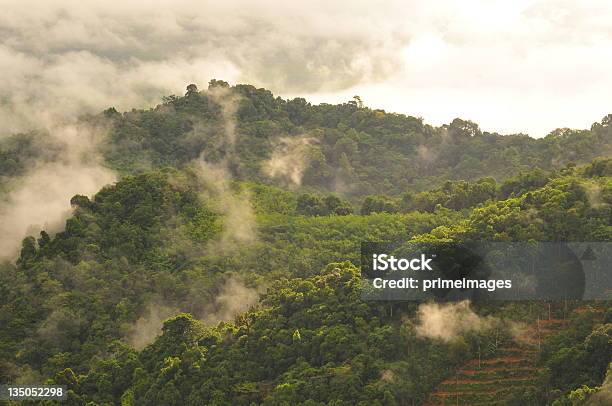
16, 151
523, 182
599, 167
310, 205
91, 279
359, 151
314, 205
337, 206
452, 195
579, 356
309, 339
20, 151
379, 204
69, 304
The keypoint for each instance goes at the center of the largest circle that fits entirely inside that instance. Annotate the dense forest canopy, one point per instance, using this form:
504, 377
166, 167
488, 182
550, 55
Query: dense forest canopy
348, 148
237, 221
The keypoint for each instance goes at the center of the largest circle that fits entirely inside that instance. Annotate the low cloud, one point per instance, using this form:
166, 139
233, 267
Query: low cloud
64, 57
239, 226
229, 102
289, 160
59, 327
426, 154
40, 199
449, 320
149, 325
234, 298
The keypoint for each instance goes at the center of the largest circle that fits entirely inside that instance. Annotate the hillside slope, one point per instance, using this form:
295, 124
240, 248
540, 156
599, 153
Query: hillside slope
347, 148
493, 381
202, 276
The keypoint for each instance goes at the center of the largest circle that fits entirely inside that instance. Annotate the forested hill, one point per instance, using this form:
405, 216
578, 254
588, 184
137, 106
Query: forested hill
221, 267
346, 148
83, 307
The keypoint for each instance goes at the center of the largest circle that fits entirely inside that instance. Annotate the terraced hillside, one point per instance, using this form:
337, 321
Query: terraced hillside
490, 381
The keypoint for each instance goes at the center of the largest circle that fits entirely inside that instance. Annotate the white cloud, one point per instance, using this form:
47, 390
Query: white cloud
514, 66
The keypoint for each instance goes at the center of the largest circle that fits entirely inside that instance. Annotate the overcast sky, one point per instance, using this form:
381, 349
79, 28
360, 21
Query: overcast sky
511, 66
